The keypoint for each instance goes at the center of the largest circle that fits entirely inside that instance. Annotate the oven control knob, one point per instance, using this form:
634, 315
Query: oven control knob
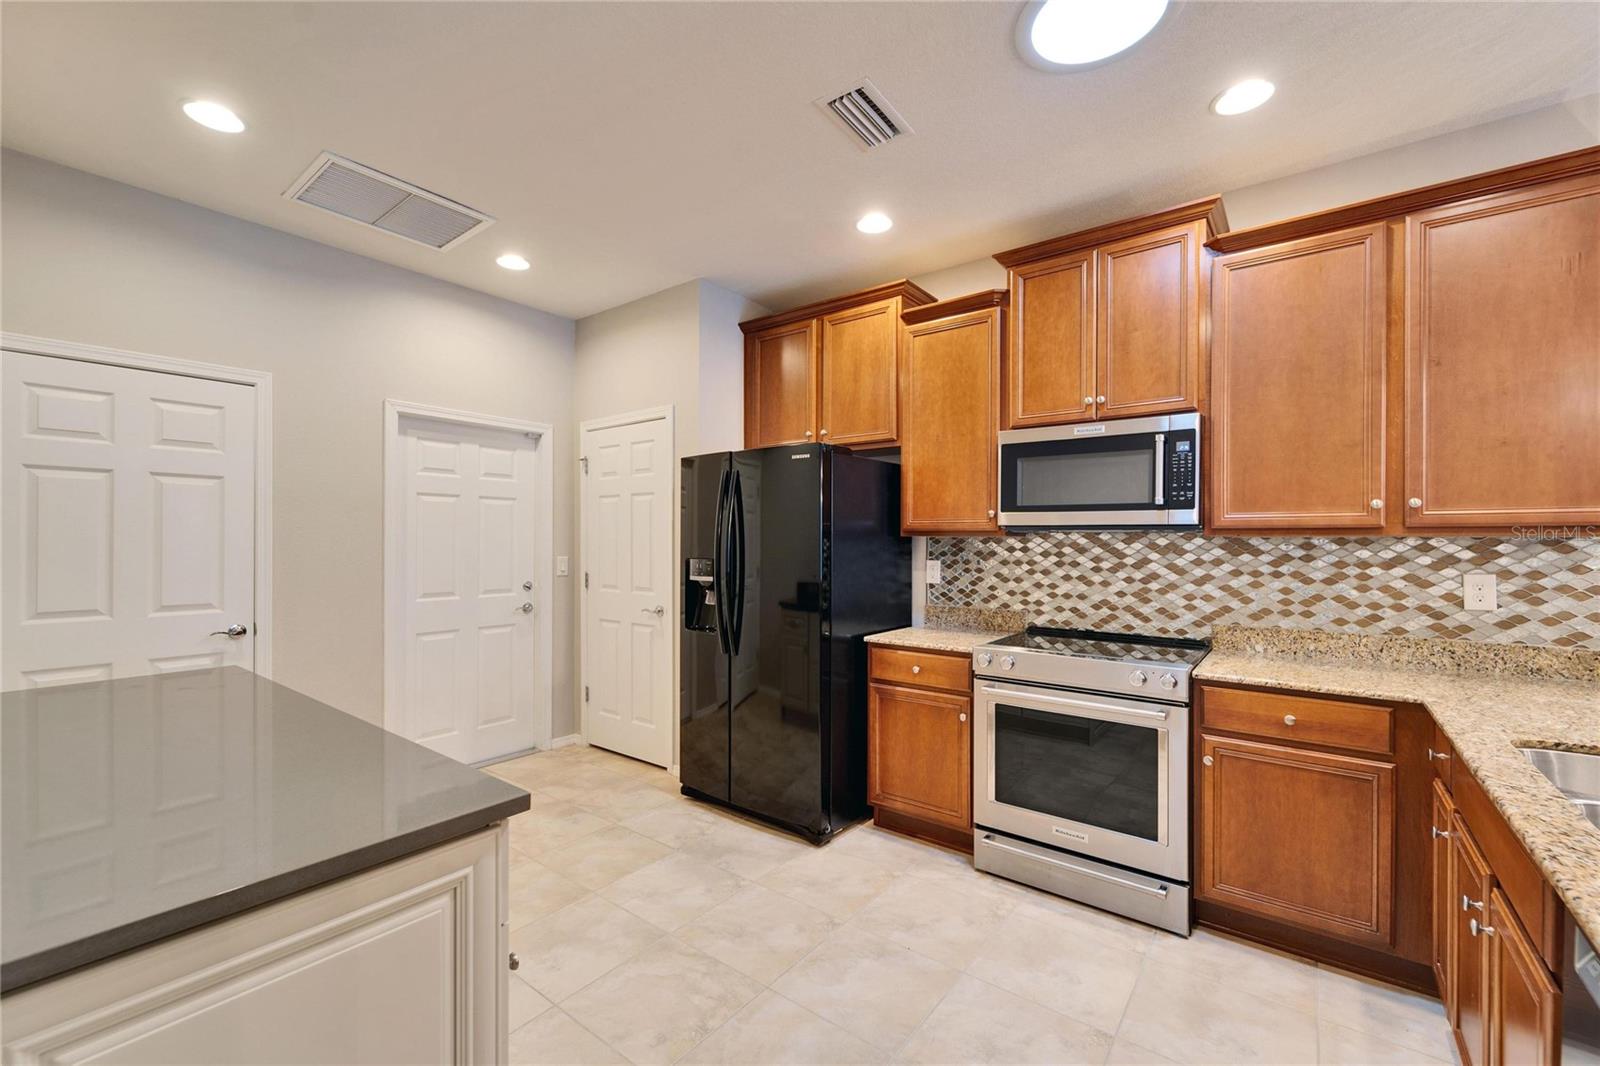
1168, 682
1137, 679
1007, 662
984, 658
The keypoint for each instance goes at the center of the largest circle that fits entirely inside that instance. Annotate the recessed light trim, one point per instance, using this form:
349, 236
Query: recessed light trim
213, 116
1076, 34
874, 222
513, 261
1245, 96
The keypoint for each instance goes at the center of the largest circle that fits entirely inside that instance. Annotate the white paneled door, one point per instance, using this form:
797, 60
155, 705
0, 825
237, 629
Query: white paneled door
467, 560
629, 616
127, 529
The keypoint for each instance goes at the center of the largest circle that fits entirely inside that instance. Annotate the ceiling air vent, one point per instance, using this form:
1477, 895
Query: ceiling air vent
359, 193
866, 114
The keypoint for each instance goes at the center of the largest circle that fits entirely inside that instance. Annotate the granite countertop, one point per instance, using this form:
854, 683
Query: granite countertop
936, 638
1486, 716
143, 807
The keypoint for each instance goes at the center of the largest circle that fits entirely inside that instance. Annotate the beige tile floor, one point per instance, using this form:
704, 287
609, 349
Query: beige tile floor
654, 929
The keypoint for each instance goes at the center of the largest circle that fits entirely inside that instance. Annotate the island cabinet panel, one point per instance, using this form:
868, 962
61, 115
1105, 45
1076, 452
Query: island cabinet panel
1050, 374
1298, 384
1148, 335
1525, 1012
951, 422
780, 382
1298, 836
1502, 359
860, 375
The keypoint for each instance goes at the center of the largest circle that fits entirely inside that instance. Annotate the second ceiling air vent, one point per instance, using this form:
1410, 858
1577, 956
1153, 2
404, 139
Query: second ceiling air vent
864, 112
362, 194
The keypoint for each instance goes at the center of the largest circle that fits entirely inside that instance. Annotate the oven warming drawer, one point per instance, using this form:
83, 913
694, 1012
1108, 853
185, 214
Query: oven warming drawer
1164, 904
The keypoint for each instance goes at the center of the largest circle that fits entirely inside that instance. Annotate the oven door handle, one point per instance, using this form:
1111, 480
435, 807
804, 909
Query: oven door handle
1087, 705
1161, 470
1160, 891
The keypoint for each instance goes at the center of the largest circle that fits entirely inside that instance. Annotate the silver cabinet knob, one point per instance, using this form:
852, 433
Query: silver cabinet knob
1377, 505
916, 669
1137, 679
808, 434
985, 658
526, 608
823, 433
991, 512
1168, 682
1288, 719
1206, 760
1007, 662
234, 631
1414, 501
1088, 400
963, 716
1099, 399
657, 610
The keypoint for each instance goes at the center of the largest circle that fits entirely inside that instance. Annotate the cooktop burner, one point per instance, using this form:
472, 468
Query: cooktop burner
1120, 647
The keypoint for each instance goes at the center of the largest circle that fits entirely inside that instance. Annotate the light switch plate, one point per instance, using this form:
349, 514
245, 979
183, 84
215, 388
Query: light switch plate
1479, 592
934, 576
563, 568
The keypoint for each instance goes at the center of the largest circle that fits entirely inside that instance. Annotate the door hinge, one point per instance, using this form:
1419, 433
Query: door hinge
586, 579
586, 694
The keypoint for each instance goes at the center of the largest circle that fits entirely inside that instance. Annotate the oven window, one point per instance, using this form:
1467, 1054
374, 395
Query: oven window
1087, 770
1080, 478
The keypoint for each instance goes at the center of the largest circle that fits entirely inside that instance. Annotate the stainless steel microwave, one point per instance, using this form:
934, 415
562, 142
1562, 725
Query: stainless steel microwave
1132, 473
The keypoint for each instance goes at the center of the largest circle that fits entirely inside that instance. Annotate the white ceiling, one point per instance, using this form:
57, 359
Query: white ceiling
625, 148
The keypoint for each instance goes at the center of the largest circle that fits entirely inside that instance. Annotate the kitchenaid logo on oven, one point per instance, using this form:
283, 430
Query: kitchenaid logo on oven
1070, 834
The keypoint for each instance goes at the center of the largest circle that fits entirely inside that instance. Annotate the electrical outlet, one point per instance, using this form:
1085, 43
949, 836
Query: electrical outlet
1479, 592
563, 568
933, 570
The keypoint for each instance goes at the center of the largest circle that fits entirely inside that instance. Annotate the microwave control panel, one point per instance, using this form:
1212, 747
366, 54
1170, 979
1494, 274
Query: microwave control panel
1181, 473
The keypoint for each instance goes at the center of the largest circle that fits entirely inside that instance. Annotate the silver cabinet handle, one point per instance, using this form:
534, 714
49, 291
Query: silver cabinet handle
1288, 719
1471, 904
1414, 502
1377, 505
235, 631
1206, 760
1441, 756
657, 610
526, 608
1486, 930
1439, 834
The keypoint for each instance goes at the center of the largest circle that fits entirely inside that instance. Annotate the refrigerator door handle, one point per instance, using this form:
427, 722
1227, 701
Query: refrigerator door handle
736, 544
719, 535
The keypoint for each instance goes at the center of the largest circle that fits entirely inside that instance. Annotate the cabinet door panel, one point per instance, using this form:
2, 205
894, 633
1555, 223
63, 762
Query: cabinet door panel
1469, 980
1147, 347
1050, 368
1297, 370
1503, 359
1444, 898
780, 382
1525, 1008
919, 748
860, 375
952, 418
1298, 836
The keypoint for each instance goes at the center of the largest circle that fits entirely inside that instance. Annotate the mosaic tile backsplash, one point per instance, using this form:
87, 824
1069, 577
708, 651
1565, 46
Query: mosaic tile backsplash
1185, 583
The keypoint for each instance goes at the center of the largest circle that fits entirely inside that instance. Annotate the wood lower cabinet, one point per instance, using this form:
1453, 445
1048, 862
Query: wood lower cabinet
1469, 978
1298, 836
1442, 900
1298, 353
950, 380
1502, 359
1525, 1013
780, 385
919, 744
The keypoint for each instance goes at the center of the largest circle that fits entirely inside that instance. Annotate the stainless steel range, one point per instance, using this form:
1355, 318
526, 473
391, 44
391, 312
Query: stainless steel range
1081, 767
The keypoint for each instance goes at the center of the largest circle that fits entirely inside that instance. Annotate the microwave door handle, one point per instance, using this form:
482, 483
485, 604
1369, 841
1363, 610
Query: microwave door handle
1161, 470
1077, 704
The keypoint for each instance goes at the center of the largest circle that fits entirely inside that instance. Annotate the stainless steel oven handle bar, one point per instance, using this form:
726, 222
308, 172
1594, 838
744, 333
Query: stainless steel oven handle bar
1081, 704
989, 840
1161, 470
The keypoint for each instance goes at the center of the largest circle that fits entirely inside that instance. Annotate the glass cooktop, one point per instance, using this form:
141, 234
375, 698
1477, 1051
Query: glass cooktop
1092, 644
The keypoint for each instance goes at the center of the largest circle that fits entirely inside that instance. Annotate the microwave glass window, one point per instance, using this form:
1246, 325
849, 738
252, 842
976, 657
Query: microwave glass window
1076, 479
1088, 770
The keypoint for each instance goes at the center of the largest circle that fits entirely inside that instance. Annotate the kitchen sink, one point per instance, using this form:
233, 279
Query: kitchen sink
1575, 773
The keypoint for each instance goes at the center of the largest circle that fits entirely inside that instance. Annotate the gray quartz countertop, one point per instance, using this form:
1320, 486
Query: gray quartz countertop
139, 808
1486, 716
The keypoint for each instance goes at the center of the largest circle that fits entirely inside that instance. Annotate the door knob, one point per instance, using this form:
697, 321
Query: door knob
526, 608
235, 631
657, 610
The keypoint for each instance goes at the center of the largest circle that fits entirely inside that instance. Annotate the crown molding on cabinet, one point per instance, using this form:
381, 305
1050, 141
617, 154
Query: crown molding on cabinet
1208, 208
956, 305
908, 291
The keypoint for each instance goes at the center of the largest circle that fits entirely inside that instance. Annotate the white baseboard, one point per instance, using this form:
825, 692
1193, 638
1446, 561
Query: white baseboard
570, 740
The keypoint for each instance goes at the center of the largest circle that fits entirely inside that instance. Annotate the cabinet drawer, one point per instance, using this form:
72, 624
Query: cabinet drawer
1334, 723
923, 669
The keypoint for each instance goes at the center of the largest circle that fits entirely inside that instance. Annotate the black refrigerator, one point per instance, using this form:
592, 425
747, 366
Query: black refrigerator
790, 557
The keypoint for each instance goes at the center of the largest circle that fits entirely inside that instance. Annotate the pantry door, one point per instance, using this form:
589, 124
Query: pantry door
128, 522
473, 605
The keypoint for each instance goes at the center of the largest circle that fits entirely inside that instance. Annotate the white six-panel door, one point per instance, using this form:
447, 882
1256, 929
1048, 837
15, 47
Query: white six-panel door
127, 529
629, 568
467, 560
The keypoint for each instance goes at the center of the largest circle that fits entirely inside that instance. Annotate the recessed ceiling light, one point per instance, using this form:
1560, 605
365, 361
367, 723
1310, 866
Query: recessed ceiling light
512, 261
874, 222
213, 116
1245, 96
1073, 33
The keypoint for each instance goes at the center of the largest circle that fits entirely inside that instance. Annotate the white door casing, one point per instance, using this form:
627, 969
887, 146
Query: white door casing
630, 601
130, 521
467, 528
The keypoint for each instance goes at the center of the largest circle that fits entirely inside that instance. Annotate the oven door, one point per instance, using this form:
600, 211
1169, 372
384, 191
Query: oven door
1137, 472
1098, 775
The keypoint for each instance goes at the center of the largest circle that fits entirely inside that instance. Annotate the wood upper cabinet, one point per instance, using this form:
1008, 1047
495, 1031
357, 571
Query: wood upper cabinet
1148, 315
1525, 1003
1110, 322
828, 372
780, 385
1298, 384
950, 418
1050, 373
1502, 359
1297, 836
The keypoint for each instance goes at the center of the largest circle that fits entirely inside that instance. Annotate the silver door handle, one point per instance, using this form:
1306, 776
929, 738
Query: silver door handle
657, 610
1161, 470
235, 631
526, 608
